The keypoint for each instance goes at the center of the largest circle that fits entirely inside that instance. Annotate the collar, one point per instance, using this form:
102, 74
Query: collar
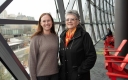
76, 34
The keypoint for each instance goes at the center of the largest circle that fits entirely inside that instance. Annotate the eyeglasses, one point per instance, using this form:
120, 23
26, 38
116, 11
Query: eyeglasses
71, 19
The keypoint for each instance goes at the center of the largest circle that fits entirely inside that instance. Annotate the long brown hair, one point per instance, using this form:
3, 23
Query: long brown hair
40, 28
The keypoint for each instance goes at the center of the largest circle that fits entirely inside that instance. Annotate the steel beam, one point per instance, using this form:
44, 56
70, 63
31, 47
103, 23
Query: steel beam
5, 4
70, 5
11, 62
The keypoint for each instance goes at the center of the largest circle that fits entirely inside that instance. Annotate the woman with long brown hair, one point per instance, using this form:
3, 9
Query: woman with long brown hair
43, 63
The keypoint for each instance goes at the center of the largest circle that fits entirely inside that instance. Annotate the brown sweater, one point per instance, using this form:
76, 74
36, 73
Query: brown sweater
43, 55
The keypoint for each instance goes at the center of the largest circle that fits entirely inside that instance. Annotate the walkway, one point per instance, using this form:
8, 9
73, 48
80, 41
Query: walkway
98, 72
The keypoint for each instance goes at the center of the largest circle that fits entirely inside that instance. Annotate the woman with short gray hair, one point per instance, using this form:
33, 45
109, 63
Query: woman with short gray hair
73, 12
77, 53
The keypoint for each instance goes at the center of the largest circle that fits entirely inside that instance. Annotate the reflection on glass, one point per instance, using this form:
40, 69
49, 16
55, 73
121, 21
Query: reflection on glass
30, 9
2, 1
4, 73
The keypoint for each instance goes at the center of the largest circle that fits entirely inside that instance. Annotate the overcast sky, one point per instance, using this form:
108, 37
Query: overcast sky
32, 7
2, 1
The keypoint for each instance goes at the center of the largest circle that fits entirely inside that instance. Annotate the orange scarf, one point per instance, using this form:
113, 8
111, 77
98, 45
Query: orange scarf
69, 36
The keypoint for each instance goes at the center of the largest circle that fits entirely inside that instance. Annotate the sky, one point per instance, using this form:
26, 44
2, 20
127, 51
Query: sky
2, 1
32, 8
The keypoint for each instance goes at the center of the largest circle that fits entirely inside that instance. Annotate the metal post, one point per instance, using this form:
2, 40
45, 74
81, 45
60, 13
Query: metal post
121, 24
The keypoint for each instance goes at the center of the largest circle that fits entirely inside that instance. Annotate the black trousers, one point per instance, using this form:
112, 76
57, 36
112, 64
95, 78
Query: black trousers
49, 77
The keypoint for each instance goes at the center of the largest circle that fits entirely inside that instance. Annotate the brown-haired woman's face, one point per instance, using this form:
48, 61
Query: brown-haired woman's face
46, 22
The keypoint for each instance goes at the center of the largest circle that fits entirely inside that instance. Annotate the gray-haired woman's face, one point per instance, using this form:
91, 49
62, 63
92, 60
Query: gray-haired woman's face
71, 21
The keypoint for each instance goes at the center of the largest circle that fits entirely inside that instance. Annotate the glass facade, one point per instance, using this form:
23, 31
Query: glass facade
21, 18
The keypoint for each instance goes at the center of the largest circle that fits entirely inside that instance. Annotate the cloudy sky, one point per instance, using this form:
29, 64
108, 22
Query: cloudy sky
32, 7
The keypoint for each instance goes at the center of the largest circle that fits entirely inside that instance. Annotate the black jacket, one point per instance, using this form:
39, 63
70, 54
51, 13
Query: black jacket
78, 57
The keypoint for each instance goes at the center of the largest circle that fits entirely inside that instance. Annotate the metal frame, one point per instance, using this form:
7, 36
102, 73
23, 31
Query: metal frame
13, 21
101, 18
5, 4
91, 23
107, 14
70, 5
111, 16
104, 16
113, 11
81, 13
8, 58
98, 31
61, 10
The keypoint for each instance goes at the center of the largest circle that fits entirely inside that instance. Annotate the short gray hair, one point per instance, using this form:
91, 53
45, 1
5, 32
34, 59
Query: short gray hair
73, 12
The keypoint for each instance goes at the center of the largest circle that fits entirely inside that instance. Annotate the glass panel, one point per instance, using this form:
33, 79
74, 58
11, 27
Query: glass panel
3, 14
110, 18
114, 26
105, 29
96, 32
19, 9
111, 10
58, 29
101, 4
107, 25
89, 30
92, 1
113, 20
101, 31
75, 7
111, 28
66, 3
85, 11
97, 2
102, 15
98, 16
4, 73
111, 2
106, 18
93, 14
108, 8
2, 1
108, 1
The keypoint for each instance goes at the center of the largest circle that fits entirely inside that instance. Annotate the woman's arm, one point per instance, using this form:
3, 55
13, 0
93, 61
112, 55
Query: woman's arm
33, 58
